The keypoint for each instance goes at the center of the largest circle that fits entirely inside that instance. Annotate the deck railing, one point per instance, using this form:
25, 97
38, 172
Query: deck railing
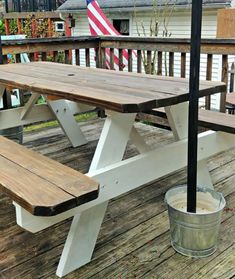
172, 55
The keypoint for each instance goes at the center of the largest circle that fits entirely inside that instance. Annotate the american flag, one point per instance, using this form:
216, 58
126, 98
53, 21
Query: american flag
100, 25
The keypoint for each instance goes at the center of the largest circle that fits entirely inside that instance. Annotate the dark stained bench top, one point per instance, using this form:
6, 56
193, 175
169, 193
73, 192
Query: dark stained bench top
230, 99
217, 121
209, 119
42, 186
119, 91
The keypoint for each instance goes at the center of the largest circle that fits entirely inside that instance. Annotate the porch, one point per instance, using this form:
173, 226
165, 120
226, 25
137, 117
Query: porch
134, 241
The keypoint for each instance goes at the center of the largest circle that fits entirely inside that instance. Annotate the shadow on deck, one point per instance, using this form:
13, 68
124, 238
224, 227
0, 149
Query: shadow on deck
134, 241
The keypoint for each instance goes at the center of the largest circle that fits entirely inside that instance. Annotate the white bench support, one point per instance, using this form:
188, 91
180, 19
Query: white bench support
138, 141
2, 90
61, 110
81, 239
85, 227
29, 105
158, 162
203, 175
177, 116
37, 113
67, 122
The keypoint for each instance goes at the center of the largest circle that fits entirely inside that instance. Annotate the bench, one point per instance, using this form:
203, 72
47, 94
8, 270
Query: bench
41, 185
212, 120
230, 102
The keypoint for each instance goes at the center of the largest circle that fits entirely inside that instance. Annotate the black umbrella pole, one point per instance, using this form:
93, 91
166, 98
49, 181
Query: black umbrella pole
193, 104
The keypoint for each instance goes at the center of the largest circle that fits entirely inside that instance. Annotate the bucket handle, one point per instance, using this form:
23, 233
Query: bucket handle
221, 198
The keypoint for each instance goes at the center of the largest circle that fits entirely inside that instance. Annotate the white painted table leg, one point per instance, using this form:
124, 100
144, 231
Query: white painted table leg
29, 105
203, 175
81, 239
2, 90
67, 122
85, 227
138, 141
113, 139
177, 116
178, 119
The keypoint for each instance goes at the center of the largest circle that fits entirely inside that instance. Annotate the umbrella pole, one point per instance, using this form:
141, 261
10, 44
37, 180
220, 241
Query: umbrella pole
193, 104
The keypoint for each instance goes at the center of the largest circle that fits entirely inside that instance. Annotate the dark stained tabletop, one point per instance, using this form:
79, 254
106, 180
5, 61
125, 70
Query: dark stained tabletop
118, 91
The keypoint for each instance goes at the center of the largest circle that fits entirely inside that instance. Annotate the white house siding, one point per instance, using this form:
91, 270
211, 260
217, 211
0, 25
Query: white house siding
82, 28
179, 27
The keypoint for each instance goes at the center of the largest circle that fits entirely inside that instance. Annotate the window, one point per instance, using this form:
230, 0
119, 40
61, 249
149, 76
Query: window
122, 26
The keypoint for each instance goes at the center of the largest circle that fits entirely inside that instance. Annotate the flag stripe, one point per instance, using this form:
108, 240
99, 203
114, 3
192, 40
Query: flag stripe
100, 25
98, 9
106, 31
96, 21
93, 32
96, 31
115, 58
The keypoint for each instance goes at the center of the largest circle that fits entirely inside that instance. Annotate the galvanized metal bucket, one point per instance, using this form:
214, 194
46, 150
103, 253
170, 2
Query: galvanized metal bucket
194, 234
15, 133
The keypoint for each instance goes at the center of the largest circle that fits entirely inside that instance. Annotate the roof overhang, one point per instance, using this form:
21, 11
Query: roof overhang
148, 8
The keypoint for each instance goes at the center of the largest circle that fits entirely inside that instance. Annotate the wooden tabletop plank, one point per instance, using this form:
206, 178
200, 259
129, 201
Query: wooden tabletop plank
123, 92
85, 74
75, 184
101, 72
99, 77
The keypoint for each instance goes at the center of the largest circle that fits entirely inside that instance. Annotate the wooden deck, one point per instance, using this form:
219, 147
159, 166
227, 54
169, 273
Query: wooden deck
134, 241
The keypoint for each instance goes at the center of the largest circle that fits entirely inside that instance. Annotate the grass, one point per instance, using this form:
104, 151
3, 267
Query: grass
54, 123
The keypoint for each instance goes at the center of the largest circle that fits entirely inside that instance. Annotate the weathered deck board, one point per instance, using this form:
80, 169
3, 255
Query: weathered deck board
134, 240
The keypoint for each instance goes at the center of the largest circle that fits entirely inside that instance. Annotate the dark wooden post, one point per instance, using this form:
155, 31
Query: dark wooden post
224, 78
49, 5
159, 63
209, 77
139, 61
18, 6
32, 5
183, 65
232, 72
6, 6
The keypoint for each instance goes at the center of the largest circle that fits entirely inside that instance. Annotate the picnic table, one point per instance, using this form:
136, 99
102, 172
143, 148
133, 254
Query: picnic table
122, 95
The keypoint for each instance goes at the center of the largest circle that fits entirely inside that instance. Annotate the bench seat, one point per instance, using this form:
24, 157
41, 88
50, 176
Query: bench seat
41, 185
209, 119
217, 121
